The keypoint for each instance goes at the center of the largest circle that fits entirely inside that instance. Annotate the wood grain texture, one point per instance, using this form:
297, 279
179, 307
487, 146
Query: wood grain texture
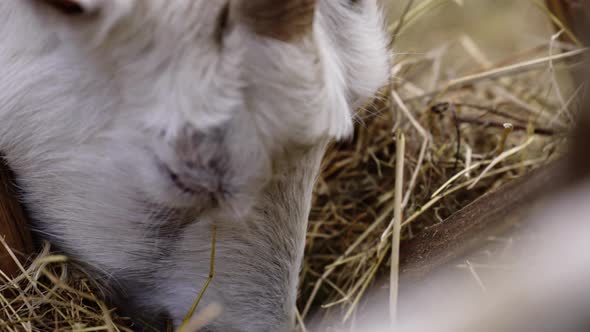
469, 228
13, 222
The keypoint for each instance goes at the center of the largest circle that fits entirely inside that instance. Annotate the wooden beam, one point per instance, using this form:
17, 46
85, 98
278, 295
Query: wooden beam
14, 227
469, 228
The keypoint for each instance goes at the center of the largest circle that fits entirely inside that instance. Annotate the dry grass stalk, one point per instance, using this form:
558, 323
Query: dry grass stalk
51, 295
397, 225
190, 323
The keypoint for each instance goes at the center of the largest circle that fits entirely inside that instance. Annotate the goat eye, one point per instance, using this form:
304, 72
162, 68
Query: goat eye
69, 7
222, 22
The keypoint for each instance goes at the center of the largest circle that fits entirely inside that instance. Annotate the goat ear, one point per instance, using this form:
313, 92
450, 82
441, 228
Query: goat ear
76, 7
285, 20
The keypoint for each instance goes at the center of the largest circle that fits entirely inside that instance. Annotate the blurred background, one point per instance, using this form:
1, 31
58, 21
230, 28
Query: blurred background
500, 27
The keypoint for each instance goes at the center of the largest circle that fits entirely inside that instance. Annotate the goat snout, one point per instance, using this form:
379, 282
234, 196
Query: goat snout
195, 181
193, 165
210, 169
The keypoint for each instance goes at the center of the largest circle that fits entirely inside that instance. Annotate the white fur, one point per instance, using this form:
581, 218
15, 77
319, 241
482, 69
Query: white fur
92, 107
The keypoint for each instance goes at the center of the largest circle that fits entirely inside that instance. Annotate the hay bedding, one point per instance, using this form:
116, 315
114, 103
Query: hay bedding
474, 133
461, 144
52, 295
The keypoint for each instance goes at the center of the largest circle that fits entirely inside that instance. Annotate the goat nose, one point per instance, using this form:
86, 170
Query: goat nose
201, 158
202, 180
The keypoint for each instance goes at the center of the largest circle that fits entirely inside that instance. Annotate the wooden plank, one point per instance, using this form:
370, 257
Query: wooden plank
468, 229
14, 227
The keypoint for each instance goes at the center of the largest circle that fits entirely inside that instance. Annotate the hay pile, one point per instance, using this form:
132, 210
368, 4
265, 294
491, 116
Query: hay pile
52, 295
467, 132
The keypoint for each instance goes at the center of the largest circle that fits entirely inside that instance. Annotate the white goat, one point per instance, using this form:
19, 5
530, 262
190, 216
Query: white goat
134, 125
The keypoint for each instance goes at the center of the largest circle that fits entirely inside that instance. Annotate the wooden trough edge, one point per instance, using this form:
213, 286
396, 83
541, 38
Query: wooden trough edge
490, 215
14, 227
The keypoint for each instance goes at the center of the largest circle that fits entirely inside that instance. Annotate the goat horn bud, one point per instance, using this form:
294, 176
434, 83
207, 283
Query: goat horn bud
284, 20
